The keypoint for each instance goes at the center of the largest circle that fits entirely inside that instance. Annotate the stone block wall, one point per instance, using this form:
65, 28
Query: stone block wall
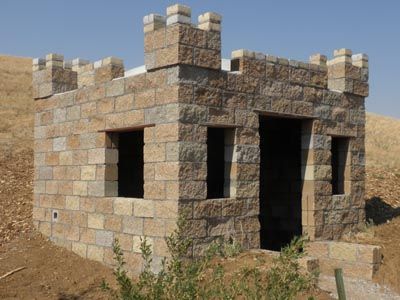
360, 261
79, 105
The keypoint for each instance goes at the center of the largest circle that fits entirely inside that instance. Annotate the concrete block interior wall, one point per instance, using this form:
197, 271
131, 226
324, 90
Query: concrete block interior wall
262, 151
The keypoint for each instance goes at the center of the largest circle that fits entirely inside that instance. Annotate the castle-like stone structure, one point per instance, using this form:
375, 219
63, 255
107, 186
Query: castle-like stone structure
258, 148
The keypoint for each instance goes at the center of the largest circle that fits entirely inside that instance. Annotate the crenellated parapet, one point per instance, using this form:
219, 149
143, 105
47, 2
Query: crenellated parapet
173, 39
344, 73
54, 75
51, 76
348, 73
101, 71
260, 65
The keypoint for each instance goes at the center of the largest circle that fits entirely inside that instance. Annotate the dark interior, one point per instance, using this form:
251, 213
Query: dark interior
130, 164
280, 181
215, 162
339, 153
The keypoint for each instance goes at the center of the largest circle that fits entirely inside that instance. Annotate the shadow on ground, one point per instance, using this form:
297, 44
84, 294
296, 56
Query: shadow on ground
380, 212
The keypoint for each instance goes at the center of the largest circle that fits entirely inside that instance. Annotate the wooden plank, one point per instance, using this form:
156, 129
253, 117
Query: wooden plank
283, 115
342, 135
216, 125
127, 129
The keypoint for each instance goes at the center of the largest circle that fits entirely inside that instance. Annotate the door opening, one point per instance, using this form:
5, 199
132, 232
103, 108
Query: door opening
280, 181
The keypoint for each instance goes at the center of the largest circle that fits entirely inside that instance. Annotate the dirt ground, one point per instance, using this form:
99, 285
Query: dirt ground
51, 272
16, 175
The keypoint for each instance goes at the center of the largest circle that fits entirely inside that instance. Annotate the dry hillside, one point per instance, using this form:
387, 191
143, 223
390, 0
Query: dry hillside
55, 273
16, 105
383, 141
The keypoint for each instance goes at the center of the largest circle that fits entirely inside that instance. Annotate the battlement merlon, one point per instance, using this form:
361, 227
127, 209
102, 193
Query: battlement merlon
344, 73
54, 75
348, 73
50, 76
174, 40
259, 65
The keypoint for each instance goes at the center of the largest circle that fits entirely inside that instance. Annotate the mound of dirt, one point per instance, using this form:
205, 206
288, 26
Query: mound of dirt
16, 176
50, 272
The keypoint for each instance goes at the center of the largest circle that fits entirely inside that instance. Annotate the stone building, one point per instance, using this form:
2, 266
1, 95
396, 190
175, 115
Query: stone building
258, 147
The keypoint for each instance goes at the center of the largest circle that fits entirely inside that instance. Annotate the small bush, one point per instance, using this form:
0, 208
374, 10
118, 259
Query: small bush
205, 278
284, 278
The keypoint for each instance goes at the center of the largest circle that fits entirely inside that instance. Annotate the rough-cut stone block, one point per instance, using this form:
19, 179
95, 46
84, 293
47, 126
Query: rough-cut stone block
107, 73
80, 249
88, 172
166, 209
154, 190
80, 188
113, 223
207, 208
95, 253
369, 254
132, 225
179, 9
343, 251
104, 238
153, 227
220, 227
72, 202
104, 205
96, 221
143, 208
123, 206
96, 188
154, 152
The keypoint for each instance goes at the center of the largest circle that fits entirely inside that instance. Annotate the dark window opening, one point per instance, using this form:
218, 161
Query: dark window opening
280, 181
130, 164
339, 153
219, 156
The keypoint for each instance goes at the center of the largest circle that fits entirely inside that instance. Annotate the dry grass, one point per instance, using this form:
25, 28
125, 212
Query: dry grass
382, 141
16, 105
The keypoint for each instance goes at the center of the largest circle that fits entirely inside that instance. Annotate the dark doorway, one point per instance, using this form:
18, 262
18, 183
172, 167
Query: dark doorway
280, 181
130, 164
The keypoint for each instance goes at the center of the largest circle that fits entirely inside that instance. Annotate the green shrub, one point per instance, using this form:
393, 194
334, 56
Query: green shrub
205, 278
284, 278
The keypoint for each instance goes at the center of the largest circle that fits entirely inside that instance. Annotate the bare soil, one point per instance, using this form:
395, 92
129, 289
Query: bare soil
51, 272
16, 175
